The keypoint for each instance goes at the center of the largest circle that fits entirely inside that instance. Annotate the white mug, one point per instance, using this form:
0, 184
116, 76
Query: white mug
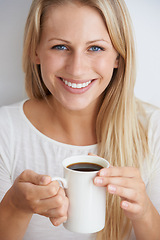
87, 202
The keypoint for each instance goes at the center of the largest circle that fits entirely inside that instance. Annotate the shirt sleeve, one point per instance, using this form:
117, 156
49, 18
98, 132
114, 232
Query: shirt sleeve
5, 152
153, 186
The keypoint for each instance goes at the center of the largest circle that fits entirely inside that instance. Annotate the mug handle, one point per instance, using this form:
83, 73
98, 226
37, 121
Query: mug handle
62, 181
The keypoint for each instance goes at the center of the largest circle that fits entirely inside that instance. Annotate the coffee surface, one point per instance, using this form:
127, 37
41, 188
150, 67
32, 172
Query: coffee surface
85, 167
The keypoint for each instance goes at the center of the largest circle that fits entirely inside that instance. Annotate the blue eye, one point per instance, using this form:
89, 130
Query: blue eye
96, 49
59, 47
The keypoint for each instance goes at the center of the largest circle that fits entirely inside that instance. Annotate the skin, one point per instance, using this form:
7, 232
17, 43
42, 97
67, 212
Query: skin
31, 193
127, 183
81, 56
73, 57
76, 54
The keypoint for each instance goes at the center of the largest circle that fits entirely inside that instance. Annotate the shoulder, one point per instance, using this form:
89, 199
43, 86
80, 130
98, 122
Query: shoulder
10, 113
9, 120
148, 114
151, 121
149, 117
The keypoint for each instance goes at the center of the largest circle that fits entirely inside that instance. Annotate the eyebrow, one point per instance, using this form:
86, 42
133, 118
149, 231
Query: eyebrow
59, 39
97, 40
89, 42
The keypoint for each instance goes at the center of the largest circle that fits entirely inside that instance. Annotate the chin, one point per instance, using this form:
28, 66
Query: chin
74, 103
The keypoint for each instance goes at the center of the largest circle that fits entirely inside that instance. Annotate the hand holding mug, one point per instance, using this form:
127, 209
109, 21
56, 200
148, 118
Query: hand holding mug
127, 183
34, 193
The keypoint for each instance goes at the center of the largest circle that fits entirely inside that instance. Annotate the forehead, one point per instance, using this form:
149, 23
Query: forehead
72, 18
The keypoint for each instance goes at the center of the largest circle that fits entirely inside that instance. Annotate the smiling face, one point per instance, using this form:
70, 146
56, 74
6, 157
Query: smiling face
76, 55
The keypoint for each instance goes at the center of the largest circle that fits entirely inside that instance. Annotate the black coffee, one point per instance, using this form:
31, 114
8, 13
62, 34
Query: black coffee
85, 167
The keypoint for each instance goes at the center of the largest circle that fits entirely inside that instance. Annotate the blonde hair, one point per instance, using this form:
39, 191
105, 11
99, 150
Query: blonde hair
120, 135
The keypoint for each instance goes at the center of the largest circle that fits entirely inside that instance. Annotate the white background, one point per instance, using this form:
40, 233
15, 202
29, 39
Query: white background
146, 20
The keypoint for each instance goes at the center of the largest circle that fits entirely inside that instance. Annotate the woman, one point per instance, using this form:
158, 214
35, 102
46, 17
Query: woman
79, 63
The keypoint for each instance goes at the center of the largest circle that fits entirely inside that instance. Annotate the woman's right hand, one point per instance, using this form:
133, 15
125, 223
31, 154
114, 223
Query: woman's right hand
34, 193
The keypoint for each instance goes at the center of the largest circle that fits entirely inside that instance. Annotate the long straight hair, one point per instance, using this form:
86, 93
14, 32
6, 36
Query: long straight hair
121, 138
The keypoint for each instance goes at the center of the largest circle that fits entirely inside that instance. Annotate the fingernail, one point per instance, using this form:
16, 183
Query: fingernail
45, 180
103, 172
125, 205
111, 189
56, 223
42, 180
98, 180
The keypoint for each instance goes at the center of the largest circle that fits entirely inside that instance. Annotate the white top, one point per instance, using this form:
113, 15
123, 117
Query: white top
22, 147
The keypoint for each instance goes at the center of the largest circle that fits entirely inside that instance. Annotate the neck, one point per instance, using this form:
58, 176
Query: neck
74, 127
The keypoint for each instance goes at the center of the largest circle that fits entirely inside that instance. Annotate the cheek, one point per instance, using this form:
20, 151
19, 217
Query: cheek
51, 62
50, 66
104, 68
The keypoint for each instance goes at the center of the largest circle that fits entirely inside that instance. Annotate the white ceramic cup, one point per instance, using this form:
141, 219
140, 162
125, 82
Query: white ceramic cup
87, 202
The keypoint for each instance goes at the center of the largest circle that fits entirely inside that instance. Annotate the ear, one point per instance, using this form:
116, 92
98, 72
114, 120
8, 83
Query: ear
116, 64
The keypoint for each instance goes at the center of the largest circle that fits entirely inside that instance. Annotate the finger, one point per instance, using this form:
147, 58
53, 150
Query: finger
44, 192
131, 208
34, 178
58, 221
129, 172
58, 208
52, 207
119, 181
54, 202
56, 195
125, 193
61, 192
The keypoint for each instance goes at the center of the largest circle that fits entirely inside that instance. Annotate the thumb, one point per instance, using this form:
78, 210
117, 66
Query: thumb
34, 178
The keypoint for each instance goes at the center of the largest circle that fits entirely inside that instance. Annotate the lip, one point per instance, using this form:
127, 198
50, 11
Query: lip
76, 90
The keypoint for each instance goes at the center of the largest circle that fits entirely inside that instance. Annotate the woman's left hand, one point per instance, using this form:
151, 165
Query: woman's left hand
127, 183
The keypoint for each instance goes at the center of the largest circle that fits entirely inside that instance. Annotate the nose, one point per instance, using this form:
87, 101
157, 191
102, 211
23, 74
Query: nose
77, 64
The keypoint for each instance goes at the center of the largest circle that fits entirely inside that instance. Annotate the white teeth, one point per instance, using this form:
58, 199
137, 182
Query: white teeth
74, 85
78, 85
